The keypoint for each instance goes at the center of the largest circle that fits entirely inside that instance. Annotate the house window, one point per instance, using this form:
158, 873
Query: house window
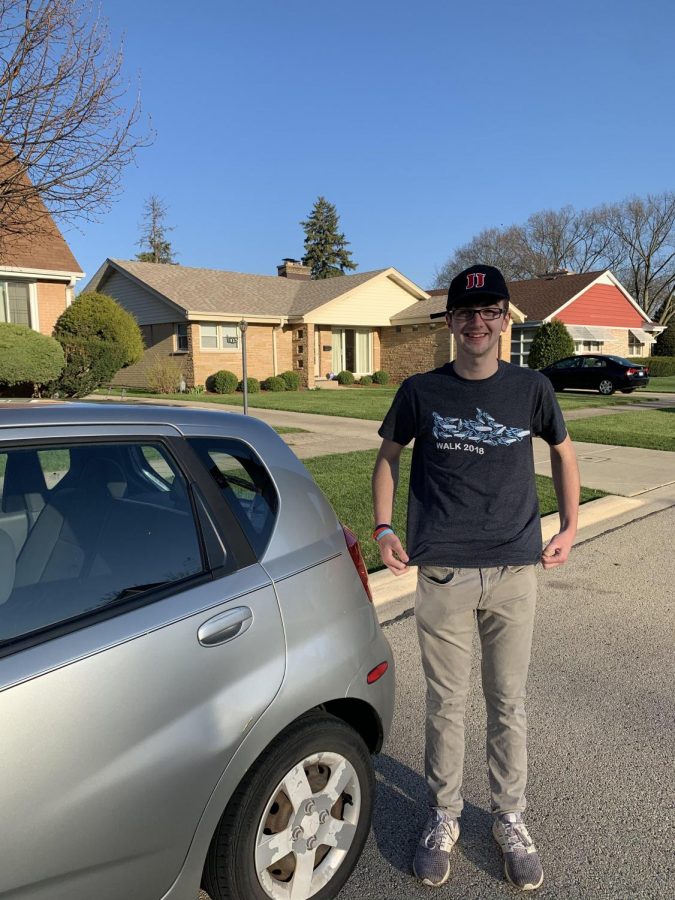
15, 302
218, 336
181, 334
635, 347
588, 346
521, 341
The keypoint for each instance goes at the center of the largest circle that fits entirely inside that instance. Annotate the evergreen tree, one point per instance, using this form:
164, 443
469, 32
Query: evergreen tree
665, 342
551, 342
325, 245
154, 243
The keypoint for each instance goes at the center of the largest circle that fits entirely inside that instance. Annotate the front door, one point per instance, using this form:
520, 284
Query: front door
352, 350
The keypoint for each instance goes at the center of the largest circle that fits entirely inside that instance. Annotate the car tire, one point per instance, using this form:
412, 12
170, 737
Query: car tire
333, 801
606, 387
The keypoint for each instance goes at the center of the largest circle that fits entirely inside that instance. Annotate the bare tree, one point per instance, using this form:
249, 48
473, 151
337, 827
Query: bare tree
635, 238
154, 244
644, 233
67, 130
505, 248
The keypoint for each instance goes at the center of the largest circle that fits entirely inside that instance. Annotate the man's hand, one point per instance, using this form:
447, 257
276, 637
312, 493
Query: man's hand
557, 550
393, 555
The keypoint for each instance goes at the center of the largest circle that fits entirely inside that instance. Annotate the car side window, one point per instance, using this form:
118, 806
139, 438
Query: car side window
104, 532
594, 362
566, 364
244, 483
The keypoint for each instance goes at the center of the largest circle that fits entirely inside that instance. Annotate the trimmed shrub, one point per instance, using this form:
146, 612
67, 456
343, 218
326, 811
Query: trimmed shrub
98, 338
665, 342
551, 342
222, 382
252, 386
291, 380
164, 374
659, 366
366, 379
380, 377
27, 359
345, 377
274, 383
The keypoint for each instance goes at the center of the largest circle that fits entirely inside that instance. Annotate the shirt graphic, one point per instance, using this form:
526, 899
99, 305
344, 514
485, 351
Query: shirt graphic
482, 430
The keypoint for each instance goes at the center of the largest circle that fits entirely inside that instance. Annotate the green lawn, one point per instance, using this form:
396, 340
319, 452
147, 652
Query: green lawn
358, 403
666, 384
345, 480
652, 429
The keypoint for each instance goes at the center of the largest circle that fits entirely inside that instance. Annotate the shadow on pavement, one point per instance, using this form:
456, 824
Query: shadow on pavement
401, 812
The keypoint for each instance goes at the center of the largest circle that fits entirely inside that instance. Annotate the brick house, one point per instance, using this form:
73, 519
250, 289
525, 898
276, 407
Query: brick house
192, 316
38, 273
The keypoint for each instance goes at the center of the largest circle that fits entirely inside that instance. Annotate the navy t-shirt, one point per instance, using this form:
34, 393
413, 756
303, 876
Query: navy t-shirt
473, 499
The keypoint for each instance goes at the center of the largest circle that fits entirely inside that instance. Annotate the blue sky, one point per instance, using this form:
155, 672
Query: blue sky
422, 122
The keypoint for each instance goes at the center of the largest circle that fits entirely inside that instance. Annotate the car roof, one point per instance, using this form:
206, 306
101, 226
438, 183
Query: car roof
66, 413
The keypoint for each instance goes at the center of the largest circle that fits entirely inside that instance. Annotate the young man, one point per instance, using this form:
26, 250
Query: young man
474, 531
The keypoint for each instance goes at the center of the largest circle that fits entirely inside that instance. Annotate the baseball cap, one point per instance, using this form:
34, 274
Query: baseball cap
474, 285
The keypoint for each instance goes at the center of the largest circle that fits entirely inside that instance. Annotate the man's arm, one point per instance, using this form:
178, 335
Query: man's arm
385, 480
566, 483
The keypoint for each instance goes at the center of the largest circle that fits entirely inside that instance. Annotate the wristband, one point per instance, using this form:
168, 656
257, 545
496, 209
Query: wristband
379, 533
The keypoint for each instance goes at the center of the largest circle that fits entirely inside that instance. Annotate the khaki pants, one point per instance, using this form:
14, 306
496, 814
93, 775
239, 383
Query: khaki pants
448, 603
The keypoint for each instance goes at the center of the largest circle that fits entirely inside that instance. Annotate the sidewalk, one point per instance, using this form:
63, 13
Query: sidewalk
642, 481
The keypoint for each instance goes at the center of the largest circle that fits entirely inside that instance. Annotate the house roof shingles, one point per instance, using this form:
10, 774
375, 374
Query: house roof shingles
216, 291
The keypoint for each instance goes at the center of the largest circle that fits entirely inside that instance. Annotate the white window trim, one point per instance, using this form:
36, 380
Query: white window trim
219, 331
33, 310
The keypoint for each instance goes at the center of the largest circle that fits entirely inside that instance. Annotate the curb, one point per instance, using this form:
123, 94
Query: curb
595, 517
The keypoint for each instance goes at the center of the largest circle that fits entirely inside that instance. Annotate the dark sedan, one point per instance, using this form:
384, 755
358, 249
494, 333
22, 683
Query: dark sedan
597, 373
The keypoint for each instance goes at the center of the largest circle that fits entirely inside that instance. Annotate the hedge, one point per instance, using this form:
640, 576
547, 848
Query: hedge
274, 383
380, 377
28, 358
291, 380
659, 366
345, 377
222, 382
98, 338
366, 379
252, 386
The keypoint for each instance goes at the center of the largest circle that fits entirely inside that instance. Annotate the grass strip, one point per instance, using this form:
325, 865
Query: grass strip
345, 480
358, 403
651, 429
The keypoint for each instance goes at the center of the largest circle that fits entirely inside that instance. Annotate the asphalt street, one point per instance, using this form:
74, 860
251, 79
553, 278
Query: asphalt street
601, 738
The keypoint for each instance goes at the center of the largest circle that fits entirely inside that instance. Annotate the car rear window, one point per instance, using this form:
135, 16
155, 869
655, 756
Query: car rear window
84, 527
244, 483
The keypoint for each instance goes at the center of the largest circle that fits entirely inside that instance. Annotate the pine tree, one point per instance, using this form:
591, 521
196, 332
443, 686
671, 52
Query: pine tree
551, 342
325, 245
154, 243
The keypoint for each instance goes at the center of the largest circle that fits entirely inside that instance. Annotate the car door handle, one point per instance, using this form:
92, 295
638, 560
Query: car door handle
224, 627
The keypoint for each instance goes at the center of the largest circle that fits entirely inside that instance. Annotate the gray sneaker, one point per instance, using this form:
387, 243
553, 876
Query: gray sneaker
521, 860
432, 857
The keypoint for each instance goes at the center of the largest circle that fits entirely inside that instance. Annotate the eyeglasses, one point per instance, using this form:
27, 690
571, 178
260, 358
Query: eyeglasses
487, 314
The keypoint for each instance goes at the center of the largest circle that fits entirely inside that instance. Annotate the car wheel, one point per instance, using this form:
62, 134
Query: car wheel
606, 386
296, 826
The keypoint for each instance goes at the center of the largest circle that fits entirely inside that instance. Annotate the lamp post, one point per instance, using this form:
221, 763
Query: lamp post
243, 325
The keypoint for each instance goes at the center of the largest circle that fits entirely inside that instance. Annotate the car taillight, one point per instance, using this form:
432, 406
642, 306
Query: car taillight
357, 559
632, 372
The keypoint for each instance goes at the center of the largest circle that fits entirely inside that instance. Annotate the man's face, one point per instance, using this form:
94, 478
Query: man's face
477, 337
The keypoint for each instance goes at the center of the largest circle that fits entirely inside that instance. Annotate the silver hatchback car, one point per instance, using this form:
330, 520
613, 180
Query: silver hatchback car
192, 675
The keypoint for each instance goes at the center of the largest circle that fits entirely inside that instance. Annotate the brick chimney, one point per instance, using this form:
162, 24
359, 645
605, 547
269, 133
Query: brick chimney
293, 268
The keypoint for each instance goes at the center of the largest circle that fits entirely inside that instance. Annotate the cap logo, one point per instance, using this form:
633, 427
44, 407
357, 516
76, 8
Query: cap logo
475, 280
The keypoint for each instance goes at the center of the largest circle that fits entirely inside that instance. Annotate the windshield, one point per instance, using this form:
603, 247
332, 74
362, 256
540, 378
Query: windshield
624, 362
